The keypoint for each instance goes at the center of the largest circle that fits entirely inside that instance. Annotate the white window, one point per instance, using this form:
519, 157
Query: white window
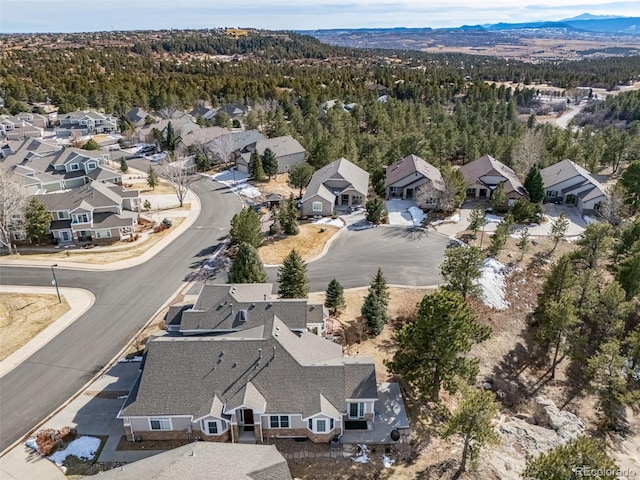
356, 410
321, 425
103, 233
279, 421
91, 166
214, 427
511, 202
81, 218
63, 215
74, 166
160, 423
19, 236
316, 206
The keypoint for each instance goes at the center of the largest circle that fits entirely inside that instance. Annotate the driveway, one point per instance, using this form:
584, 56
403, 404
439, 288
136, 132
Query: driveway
406, 256
398, 211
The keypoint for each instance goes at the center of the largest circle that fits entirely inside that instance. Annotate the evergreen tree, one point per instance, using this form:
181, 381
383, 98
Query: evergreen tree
202, 162
473, 421
257, 171
288, 216
292, 277
461, 270
630, 181
123, 165
498, 198
245, 228
222, 119
476, 219
375, 210
269, 163
534, 185
583, 454
555, 322
247, 266
498, 239
170, 138
91, 144
594, 243
374, 313
433, 350
334, 296
523, 242
38, 219
300, 176
559, 228
381, 289
628, 274
152, 178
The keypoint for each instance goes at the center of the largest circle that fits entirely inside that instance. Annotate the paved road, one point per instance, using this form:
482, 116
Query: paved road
125, 300
406, 256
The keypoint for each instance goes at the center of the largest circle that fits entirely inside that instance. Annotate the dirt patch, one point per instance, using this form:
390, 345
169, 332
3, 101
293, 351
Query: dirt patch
23, 316
125, 444
128, 250
277, 184
309, 243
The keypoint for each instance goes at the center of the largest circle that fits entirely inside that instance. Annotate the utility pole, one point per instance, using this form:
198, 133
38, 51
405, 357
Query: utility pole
55, 282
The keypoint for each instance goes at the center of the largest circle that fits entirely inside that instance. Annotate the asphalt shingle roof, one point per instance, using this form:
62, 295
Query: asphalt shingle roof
489, 166
413, 164
339, 169
566, 170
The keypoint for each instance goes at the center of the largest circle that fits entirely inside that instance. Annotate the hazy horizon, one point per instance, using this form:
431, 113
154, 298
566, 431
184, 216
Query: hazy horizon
67, 16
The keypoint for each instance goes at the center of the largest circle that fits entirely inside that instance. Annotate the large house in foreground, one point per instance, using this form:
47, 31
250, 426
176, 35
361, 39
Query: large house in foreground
242, 367
338, 184
404, 178
569, 183
92, 213
484, 174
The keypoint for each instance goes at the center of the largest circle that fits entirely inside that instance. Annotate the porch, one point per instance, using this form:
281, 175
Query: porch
390, 424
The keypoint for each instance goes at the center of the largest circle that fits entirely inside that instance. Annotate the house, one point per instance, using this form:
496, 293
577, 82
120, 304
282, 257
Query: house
17, 127
569, 183
138, 117
181, 126
97, 212
82, 123
484, 174
199, 138
235, 111
406, 176
287, 150
338, 184
191, 461
206, 113
35, 119
240, 366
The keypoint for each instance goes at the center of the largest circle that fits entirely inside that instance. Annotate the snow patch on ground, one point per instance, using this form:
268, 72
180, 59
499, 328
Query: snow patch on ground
387, 462
490, 218
237, 183
81, 447
334, 222
589, 220
364, 454
493, 284
455, 218
31, 443
417, 215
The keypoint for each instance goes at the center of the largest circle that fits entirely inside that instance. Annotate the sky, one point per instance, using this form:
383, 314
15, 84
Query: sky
29, 16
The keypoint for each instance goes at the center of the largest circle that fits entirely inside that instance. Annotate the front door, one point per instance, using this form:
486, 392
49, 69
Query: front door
345, 199
65, 236
246, 419
409, 192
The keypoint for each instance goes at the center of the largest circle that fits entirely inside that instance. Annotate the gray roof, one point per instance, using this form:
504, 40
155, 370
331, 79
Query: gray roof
341, 169
94, 195
111, 220
295, 373
280, 146
225, 461
412, 164
103, 173
567, 170
489, 166
202, 136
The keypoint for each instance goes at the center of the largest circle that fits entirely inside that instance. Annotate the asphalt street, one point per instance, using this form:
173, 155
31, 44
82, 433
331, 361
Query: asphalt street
125, 300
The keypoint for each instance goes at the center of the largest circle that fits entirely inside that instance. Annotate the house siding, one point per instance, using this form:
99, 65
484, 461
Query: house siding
285, 162
307, 207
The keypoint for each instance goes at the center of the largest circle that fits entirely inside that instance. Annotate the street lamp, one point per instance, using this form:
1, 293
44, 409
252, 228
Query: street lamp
55, 282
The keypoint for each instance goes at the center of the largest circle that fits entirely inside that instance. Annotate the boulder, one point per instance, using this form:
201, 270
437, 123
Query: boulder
565, 424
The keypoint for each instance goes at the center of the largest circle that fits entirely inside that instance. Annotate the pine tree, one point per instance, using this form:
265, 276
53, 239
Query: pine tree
247, 266
461, 270
498, 198
583, 454
91, 144
476, 219
630, 181
499, 238
473, 421
300, 176
38, 219
269, 163
123, 165
628, 274
534, 185
375, 210
334, 296
433, 350
381, 289
288, 216
374, 313
257, 170
245, 227
152, 178
170, 138
559, 228
523, 242
292, 277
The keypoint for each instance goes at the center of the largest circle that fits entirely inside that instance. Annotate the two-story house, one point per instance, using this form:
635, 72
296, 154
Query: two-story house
240, 366
84, 123
18, 127
484, 174
92, 213
287, 150
338, 184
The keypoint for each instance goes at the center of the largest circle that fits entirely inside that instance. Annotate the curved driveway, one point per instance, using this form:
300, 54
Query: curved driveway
125, 300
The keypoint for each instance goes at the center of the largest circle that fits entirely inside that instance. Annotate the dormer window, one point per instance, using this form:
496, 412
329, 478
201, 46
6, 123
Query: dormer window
74, 166
91, 166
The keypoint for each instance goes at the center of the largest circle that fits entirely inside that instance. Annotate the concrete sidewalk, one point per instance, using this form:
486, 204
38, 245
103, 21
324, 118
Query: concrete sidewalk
79, 301
122, 264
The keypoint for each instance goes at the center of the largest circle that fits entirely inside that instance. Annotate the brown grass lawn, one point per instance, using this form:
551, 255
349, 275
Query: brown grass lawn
23, 316
91, 256
162, 189
277, 184
309, 243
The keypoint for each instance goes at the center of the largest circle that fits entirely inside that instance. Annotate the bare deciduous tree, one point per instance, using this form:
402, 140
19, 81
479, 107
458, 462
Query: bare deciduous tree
527, 152
178, 176
613, 209
221, 148
13, 201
